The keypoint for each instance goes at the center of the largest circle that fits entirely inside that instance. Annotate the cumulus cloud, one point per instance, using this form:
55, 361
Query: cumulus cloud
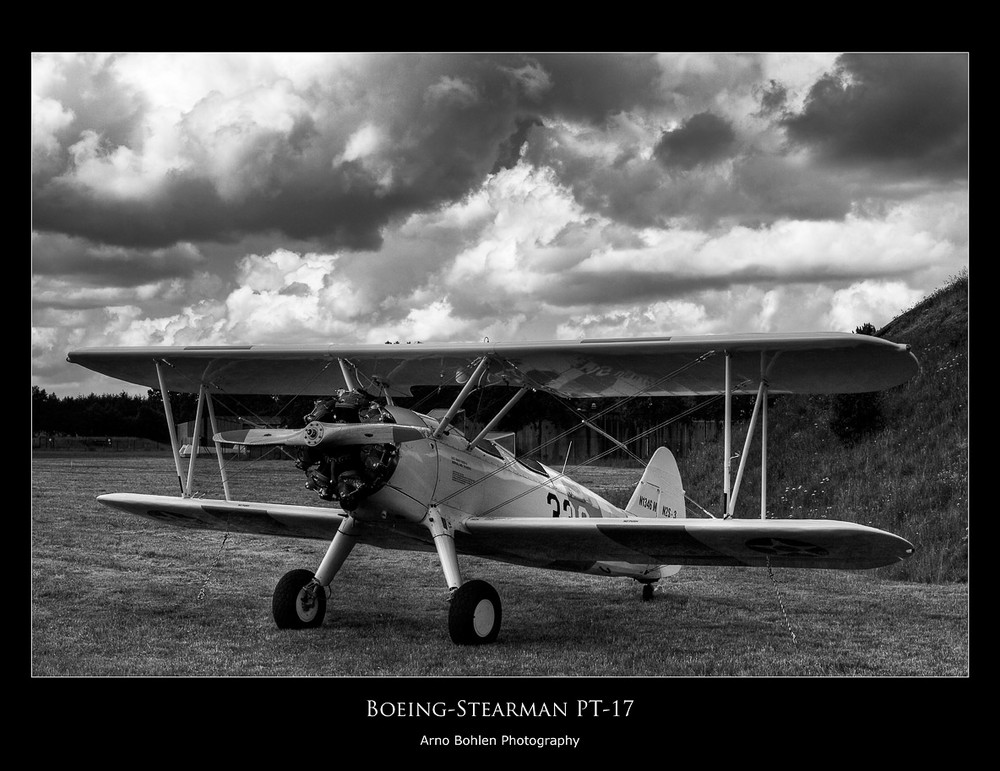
853, 306
304, 158
48, 119
364, 198
649, 320
336, 149
539, 265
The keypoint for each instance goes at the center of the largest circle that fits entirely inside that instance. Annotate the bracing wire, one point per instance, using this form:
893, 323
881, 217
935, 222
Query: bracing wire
529, 382
616, 405
623, 444
610, 450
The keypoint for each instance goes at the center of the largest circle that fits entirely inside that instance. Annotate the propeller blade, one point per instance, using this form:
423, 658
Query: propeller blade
262, 436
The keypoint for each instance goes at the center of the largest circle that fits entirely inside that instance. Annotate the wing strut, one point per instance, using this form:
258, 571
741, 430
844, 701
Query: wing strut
470, 384
728, 440
352, 384
196, 438
759, 411
498, 417
763, 445
218, 447
165, 395
204, 398
761, 393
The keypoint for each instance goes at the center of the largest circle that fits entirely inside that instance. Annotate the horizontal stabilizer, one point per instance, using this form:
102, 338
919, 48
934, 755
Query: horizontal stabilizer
318, 434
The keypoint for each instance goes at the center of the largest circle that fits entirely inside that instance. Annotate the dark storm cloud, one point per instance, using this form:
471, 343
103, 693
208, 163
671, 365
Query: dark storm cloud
592, 87
906, 111
702, 139
436, 145
757, 189
443, 123
510, 149
185, 209
88, 264
771, 188
626, 287
341, 206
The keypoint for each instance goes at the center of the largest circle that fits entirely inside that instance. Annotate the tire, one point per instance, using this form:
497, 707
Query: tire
296, 607
475, 614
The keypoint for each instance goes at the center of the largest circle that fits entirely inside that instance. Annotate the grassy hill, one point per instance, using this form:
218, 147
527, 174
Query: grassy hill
908, 473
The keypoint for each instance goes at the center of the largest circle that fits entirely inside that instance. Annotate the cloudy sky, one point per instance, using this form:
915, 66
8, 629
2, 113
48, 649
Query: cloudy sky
259, 198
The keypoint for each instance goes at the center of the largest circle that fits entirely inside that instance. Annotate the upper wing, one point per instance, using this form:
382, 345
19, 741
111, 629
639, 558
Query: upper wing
670, 366
742, 542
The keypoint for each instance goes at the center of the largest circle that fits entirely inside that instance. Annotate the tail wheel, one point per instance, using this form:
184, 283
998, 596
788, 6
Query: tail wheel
298, 602
474, 618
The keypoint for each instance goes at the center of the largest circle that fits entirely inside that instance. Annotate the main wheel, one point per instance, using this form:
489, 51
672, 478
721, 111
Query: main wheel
647, 592
474, 617
298, 603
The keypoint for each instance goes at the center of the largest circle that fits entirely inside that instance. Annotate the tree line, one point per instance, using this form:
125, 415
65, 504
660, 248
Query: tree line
134, 415
119, 414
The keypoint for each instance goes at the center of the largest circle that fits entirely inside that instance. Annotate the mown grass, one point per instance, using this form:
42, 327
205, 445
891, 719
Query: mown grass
118, 596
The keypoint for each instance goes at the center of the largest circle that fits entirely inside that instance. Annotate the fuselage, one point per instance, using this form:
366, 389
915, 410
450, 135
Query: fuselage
442, 474
484, 481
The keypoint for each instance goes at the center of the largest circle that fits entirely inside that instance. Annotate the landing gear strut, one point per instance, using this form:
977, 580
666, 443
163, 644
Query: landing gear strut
475, 613
300, 597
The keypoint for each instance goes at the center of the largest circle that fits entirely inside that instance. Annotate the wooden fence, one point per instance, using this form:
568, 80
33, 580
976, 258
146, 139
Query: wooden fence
554, 446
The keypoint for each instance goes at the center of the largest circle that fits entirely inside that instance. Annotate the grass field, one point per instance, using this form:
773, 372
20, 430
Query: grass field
119, 596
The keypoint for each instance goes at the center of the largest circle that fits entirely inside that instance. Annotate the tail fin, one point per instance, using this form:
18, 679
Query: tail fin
659, 492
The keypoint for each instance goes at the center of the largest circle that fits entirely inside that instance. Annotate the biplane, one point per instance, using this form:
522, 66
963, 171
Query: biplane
391, 477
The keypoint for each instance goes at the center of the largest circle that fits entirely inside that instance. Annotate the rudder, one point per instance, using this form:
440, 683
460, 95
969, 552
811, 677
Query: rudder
659, 492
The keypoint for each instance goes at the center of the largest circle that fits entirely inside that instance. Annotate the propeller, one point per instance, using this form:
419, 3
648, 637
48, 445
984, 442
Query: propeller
318, 434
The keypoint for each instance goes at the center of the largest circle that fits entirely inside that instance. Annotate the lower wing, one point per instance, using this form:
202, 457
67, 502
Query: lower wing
780, 543
230, 516
552, 542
